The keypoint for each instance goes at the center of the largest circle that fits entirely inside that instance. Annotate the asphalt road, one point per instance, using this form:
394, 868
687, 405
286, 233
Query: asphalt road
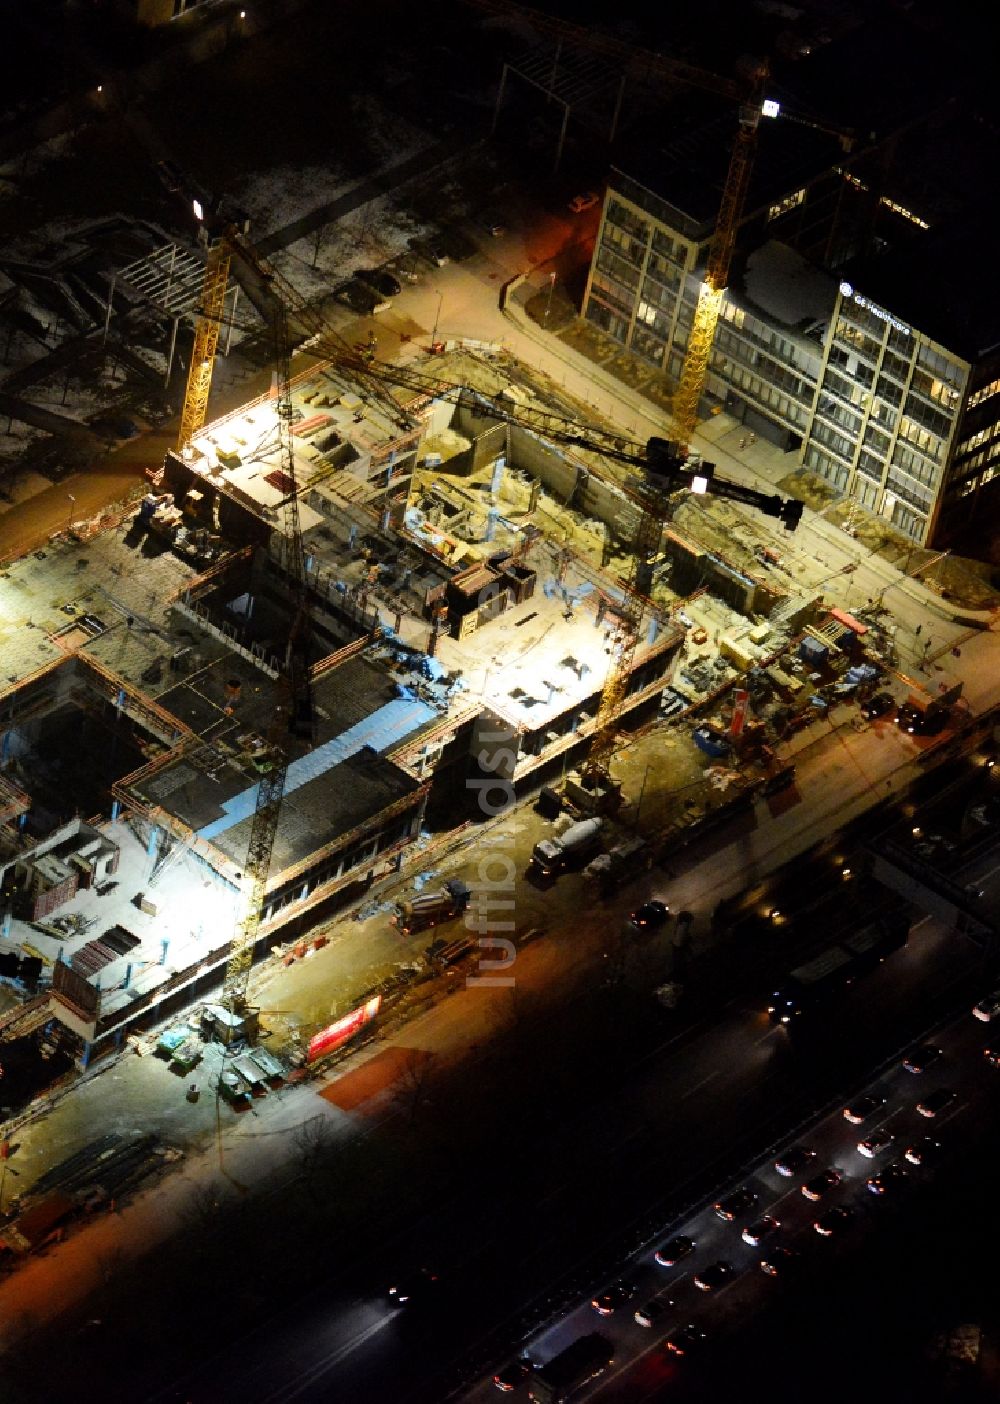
734, 1082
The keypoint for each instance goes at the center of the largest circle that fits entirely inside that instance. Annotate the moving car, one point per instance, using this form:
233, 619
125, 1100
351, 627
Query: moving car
512, 1375
876, 1143
794, 1161
992, 1056
835, 1220
988, 1007
652, 913
382, 282
888, 1179
652, 1312
410, 1290
919, 1059
741, 1201
864, 1107
878, 705
586, 200
676, 1248
710, 1279
821, 1184
614, 1297
923, 1151
779, 1261
684, 1338
756, 1233
936, 1102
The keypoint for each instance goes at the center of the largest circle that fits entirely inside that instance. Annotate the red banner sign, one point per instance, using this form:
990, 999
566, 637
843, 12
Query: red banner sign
740, 699
335, 1034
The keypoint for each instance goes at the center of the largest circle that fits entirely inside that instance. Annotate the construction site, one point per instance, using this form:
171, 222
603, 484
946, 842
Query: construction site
238, 705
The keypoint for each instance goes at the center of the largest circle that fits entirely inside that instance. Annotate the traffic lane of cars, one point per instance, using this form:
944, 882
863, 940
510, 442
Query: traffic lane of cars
850, 1198
742, 1049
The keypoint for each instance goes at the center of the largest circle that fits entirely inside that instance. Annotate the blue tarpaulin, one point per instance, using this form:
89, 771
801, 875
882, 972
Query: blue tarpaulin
384, 728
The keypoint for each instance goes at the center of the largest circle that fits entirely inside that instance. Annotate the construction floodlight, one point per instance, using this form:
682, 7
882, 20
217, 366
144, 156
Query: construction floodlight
770, 108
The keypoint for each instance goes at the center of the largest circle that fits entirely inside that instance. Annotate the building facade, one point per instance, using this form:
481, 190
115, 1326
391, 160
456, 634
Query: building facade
890, 414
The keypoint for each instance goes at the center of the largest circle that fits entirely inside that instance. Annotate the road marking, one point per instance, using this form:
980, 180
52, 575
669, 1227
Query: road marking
698, 1085
320, 1368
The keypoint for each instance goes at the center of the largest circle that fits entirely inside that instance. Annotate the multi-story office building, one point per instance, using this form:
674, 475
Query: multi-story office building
855, 333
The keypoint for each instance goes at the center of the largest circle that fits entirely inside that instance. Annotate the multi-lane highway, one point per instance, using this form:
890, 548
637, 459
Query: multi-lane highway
643, 1365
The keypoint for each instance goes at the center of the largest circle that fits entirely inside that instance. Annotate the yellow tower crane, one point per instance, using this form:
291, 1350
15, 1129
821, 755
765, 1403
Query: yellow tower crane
206, 340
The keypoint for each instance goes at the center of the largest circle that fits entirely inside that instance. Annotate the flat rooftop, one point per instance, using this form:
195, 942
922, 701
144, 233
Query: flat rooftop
544, 656
341, 782
195, 915
336, 434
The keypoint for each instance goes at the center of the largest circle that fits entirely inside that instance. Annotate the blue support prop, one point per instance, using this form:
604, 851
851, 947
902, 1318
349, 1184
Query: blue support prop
115, 810
151, 844
497, 479
164, 944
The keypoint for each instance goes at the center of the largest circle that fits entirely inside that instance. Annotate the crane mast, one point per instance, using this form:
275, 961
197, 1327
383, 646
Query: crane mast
694, 371
292, 728
206, 340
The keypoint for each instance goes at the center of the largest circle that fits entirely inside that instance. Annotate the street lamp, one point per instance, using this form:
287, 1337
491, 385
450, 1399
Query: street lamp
548, 300
437, 318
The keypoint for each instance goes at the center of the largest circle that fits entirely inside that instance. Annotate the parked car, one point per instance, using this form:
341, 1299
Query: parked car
586, 200
380, 281
360, 298
429, 247
878, 705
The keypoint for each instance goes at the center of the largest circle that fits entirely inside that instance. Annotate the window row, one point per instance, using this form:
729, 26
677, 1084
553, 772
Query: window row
985, 392
909, 491
608, 320
745, 352
623, 243
627, 220
915, 464
830, 439
617, 268
612, 292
